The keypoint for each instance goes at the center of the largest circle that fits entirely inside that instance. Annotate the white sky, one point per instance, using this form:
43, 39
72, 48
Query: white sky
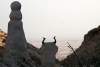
67, 19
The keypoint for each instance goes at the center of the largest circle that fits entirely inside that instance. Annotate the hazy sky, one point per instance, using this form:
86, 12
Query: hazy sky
67, 19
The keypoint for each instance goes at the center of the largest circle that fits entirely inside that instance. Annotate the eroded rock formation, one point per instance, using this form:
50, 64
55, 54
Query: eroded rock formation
48, 53
16, 37
88, 52
18, 52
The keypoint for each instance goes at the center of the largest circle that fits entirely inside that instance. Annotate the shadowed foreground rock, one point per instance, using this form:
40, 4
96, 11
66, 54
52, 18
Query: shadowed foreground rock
18, 53
48, 53
88, 52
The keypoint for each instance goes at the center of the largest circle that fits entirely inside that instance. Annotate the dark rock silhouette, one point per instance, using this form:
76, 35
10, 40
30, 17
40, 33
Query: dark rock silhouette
34, 54
88, 52
48, 52
19, 53
16, 37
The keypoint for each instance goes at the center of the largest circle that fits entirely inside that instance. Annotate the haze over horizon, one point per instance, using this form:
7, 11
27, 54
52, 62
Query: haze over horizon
65, 19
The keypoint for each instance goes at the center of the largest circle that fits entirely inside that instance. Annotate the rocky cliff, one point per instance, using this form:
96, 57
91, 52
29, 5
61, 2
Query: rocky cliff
88, 52
17, 52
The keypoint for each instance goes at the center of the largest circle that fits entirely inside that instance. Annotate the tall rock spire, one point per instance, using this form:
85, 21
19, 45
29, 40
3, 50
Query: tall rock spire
16, 38
18, 52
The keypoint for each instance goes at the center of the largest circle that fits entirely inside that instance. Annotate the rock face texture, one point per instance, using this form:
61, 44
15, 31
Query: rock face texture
16, 37
88, 52
48, 52
17, 52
